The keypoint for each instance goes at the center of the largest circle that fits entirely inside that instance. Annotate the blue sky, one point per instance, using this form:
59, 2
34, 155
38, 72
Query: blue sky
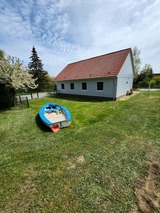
65, 31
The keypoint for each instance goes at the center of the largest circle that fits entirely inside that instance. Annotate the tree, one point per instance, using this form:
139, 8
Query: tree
13, 73
148, 71
36, 69
157, 80
51, 83
2, 54
136, 60
13, 76
145, 76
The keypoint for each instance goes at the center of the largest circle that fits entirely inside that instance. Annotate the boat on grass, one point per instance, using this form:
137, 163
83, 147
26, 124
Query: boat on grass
55, 116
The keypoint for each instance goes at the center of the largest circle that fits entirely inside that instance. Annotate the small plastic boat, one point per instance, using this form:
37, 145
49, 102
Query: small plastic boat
55, 116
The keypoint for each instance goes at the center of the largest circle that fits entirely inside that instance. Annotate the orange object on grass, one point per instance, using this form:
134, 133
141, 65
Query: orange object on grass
131, 91
55, 128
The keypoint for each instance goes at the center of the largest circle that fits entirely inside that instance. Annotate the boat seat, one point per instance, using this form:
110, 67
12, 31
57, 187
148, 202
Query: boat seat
49, 110
52, 110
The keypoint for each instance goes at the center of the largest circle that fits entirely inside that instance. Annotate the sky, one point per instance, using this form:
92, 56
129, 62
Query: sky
65, 31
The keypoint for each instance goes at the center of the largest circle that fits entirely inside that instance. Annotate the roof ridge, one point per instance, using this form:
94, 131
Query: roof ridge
100, 56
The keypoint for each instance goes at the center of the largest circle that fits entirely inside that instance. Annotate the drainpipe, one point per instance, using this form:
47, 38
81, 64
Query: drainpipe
114, 88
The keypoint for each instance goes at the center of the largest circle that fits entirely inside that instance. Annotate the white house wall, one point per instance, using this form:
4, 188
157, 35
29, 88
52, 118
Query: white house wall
109, 87
125, 77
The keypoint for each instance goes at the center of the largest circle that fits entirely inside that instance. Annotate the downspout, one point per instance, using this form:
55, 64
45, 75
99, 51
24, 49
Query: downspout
114, 88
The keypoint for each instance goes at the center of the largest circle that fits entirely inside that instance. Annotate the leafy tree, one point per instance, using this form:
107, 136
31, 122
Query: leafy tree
49, 84
136, 60
36, 69
148, 71
13, 76
13, 72
152, 83
145, 76
157, 80
52, 85
2, 54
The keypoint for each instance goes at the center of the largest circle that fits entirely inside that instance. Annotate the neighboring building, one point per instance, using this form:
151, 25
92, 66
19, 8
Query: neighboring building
156, 74
107, 76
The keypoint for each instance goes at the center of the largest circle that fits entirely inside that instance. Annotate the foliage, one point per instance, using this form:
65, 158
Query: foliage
157, 80
136, 60
51, 83
13, 72
145, 76
147, 71
36, 69
48, 83
152, 83
7, 96
13, 76
42, 172
2, 54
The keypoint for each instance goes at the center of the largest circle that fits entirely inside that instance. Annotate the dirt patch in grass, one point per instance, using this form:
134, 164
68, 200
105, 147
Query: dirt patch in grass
72, 164
80, 159
126, 97
148, 191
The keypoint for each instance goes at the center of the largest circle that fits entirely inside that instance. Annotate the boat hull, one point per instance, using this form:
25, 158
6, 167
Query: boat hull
55, 115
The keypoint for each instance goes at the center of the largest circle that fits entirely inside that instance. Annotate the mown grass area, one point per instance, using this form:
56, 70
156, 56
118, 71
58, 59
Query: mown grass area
92, 166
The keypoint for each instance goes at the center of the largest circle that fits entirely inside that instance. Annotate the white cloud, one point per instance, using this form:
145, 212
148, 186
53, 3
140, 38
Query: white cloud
64, 31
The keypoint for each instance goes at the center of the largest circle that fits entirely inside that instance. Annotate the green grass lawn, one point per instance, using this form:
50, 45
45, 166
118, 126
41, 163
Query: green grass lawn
92, 166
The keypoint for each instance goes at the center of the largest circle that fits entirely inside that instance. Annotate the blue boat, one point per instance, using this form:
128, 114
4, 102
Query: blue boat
55, 116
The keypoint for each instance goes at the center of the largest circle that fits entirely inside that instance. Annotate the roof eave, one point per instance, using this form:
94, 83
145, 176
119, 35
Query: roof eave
86, 78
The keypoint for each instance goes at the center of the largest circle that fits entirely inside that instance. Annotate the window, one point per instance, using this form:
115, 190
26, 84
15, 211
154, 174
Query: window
84, 86
100, 86
71, 85
62, 86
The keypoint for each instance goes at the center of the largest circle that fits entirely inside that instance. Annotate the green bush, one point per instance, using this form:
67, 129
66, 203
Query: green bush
7, 96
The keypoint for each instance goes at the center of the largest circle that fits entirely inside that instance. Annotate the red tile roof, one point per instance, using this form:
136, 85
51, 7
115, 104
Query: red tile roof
107, 65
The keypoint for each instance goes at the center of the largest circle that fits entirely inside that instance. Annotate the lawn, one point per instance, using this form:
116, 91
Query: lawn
103, 162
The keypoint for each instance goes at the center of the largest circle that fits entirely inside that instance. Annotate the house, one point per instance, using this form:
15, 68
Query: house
108, 76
